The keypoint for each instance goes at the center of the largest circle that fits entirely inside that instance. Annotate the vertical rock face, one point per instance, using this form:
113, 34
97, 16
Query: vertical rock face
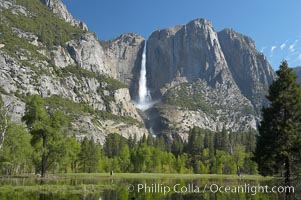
250, 68
189, 51
123, 54
61, 11
205, 78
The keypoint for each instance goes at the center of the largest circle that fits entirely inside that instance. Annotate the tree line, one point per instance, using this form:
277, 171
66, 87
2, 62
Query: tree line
45, 145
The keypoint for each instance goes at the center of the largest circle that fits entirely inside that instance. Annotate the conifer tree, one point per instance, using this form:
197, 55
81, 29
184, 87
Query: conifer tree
278, 143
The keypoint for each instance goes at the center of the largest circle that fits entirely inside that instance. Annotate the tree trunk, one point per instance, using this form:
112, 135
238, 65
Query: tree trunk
4, 129
287, 177
44, 157
43, 168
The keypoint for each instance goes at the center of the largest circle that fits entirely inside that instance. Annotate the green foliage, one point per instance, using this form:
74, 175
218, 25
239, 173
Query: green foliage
279, 140
105, 115
113, 145
72, 149
54, 150
3, 91
16, 152
42, 22
124, 159
89, 155
106, 83
46, 128
220, 152
70, 108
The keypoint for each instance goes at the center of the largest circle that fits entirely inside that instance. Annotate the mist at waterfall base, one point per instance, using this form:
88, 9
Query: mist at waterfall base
144, 98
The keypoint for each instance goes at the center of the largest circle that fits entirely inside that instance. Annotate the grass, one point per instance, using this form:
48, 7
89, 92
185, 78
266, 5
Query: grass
166, 176
144, 176
47, 188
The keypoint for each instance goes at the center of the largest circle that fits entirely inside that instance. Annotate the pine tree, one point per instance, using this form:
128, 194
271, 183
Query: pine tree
278, 143
224, 140
89, 155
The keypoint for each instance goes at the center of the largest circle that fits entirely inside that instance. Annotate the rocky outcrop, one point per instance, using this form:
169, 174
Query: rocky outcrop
249, 67
119, 58
61, 11
89, 54
15, 9
84, 126
60, 57
198, 104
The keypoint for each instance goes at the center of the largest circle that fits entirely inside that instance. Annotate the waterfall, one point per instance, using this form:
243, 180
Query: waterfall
144, 97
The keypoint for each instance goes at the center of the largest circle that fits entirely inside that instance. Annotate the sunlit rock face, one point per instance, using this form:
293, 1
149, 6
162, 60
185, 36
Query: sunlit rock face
223, 76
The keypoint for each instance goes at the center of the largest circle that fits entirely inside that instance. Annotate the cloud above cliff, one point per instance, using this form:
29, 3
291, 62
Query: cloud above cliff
282, 46
273, 49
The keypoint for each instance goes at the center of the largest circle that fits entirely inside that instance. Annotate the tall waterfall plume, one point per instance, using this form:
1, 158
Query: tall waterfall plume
144, 97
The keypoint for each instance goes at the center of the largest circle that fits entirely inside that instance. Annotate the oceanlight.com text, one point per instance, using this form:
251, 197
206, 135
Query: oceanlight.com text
212, 188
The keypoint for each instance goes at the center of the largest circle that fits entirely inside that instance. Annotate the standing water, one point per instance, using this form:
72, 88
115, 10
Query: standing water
144, 101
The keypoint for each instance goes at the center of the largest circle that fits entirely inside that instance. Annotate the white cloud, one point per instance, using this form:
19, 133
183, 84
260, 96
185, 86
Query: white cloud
273, 49
262, 49
299, 57
282, 46
292, 47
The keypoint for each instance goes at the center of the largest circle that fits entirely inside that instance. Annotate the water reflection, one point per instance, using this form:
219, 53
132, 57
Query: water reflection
118, 189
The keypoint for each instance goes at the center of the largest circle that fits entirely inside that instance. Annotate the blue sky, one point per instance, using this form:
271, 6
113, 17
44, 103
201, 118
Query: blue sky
274, 25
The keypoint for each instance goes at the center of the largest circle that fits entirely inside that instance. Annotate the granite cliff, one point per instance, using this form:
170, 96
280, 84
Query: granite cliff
249, 67
200, 77
206, 78
72, 70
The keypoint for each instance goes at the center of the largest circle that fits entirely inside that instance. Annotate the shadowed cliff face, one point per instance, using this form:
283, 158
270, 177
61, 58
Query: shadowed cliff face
250, 68
123, 54
185, 53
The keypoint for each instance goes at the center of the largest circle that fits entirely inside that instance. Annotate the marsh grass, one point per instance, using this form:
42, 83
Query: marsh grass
162, 176
98, 182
